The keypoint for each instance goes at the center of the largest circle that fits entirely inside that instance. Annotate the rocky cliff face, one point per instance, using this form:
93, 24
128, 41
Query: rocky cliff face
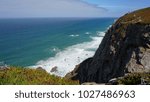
124, 49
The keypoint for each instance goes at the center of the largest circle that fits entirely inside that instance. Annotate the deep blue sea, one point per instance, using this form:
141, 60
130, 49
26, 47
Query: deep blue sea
50, 42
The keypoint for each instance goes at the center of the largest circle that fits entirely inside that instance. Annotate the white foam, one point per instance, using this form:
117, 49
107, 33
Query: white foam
87, 33
101, 34
3, 65
67, 59
74, 35
109, 27
54, 49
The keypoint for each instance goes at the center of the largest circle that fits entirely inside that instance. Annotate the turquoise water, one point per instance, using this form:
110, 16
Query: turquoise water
26, 42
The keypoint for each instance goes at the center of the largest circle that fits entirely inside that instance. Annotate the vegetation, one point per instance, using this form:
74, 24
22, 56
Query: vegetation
135, 79
26, 76
142, 16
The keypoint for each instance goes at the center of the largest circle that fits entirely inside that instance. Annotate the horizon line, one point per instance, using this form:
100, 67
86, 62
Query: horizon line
50, 17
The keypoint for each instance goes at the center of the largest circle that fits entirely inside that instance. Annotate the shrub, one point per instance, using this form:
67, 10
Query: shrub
26, 76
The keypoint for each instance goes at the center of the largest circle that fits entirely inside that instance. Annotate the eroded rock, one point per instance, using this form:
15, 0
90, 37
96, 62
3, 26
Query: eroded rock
54, 69
125, 48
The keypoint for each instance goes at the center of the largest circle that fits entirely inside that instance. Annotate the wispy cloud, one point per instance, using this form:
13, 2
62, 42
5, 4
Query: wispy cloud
49, 8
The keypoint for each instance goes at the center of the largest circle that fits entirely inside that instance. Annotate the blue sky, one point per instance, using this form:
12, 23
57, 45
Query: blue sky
69, 8
119, 7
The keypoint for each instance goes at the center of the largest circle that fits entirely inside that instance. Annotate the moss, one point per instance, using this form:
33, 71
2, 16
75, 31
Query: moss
26, 76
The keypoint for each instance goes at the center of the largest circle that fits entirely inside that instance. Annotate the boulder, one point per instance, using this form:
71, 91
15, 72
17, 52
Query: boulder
73, 74
92, 83
2, 68
54, 69
113, 81
40, 68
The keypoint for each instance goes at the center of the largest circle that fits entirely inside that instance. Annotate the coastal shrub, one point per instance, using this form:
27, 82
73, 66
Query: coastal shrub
135, 79
26, 76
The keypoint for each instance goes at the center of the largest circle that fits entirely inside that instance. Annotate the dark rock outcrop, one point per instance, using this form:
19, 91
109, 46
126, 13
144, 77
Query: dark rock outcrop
73, 75
54, 69
125, 49
41, 69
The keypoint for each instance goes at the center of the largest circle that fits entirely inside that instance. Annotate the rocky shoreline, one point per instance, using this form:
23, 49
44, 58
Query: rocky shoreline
124, 49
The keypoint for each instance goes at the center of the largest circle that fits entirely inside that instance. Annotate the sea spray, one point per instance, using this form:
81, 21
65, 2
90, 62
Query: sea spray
66, 60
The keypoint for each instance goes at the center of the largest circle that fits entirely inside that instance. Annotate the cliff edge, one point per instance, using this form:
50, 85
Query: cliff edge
125, 48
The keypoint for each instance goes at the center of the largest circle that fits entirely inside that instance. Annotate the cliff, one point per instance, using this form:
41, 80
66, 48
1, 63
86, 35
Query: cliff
125, 48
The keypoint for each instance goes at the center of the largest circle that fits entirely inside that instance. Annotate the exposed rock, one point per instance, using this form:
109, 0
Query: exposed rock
73, 74
113, 81
144, 82
92, 83
4, 68
41, 69
54, 69
125, 48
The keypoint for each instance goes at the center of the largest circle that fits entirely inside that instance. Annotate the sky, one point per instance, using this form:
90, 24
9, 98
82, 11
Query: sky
68, 8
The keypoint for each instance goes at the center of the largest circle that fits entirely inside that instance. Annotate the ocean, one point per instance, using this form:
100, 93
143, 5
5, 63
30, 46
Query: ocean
50, 42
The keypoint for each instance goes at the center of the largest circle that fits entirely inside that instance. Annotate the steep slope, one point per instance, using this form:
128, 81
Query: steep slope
124, 49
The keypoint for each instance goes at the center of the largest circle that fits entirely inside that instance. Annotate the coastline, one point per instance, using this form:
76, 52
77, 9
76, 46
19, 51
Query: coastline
66, 60
25, 42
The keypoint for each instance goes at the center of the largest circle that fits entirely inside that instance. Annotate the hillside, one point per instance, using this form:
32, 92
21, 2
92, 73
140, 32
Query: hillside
142, 16
125, 49
26, 76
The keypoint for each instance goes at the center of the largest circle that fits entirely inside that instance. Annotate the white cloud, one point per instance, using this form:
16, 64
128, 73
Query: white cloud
49, 8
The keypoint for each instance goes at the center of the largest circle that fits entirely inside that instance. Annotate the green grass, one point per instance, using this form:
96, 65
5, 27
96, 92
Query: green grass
26, 76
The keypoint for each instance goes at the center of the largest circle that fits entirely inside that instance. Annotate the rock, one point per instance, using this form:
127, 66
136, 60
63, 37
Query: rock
2, 68
54, 69
113, 81
125, 48
73, 74
41, 69
92, 83
144, 81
